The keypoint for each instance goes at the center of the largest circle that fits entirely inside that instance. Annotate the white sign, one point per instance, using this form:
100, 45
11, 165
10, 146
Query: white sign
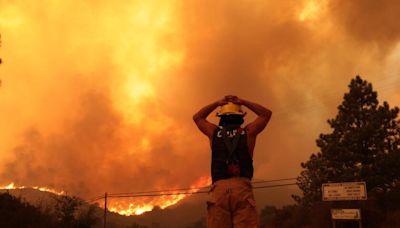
344, 191
353, 214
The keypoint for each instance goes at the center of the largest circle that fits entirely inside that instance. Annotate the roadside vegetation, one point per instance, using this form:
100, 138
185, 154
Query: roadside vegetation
364, 145
65, 213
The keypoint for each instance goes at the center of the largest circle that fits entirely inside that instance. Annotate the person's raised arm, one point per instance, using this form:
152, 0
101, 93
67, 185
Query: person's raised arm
263, 115
200, 118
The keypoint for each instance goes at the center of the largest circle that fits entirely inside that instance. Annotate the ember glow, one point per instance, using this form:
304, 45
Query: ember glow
139, 205
42, 189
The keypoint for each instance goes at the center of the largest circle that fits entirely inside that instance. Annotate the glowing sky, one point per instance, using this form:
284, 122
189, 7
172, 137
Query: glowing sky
98, 95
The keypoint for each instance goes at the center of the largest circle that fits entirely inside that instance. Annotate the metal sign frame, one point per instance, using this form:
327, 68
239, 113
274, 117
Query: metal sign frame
346, 214
344, 191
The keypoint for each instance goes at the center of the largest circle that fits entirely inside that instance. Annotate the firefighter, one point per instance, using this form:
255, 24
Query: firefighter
231, 201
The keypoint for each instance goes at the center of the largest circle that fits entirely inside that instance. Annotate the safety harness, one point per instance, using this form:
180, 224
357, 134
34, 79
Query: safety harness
232, 160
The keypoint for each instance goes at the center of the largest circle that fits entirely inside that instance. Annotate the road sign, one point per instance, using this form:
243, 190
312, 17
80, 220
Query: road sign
344, 191
346, 214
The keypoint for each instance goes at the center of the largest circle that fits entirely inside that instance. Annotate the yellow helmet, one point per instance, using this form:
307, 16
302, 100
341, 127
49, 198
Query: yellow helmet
231, 109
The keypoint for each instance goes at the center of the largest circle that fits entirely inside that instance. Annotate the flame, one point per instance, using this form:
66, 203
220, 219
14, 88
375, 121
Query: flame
143, 54
138, 206
10, 186
129, 46
127, 207
132, 207
126, 49
42, 189
11, 16
311, 10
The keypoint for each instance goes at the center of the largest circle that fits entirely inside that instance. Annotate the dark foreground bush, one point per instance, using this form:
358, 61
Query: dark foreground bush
14, 212
67, 212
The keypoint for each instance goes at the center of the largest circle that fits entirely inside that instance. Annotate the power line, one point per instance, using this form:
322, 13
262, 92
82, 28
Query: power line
187, 191
273, 186
196, 188
184, 193
157, 194
275, 180
95, 199
192, 193
161, 191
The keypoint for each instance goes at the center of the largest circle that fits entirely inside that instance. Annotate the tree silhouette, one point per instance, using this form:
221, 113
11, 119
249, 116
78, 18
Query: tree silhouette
66, 207
363, 146
14, 212
72, 211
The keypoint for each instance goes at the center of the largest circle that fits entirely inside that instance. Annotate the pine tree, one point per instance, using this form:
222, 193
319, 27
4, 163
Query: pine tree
363, 146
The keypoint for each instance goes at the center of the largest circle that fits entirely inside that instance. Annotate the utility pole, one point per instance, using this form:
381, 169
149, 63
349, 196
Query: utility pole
105, 209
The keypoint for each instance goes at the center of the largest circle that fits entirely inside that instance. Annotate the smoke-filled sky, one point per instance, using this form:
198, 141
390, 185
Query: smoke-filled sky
99, 95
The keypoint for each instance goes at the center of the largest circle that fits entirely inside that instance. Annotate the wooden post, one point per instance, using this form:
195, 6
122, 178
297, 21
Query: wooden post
105, 209
361, 213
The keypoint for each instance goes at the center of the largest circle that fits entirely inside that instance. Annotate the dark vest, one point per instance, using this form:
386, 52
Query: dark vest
221, 160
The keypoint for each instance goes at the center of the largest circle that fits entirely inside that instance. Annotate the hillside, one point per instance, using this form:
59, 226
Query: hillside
187, 212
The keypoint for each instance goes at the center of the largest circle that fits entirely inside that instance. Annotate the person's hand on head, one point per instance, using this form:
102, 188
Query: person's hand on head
234, 99
222, 102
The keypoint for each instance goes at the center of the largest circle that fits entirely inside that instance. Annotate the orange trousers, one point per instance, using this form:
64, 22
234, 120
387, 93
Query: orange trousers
232, 204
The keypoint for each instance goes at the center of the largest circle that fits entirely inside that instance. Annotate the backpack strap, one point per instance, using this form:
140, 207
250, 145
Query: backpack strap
231, 144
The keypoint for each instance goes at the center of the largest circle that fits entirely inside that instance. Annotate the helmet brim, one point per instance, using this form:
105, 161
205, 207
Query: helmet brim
231, 113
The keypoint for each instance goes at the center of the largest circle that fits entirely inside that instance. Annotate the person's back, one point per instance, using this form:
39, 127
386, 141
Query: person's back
232, 201
225, 163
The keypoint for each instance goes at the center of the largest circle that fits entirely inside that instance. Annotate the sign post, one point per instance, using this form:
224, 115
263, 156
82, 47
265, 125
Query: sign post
345, 191
105, 209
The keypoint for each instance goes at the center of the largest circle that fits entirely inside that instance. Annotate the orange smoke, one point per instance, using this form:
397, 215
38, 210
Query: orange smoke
89, 86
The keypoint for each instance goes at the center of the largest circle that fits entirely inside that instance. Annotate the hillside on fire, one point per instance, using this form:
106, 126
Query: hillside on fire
35, 208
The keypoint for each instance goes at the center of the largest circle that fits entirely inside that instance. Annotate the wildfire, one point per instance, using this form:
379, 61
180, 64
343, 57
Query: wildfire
139, 205
126, 51
128, 207
42, 189
135, 205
